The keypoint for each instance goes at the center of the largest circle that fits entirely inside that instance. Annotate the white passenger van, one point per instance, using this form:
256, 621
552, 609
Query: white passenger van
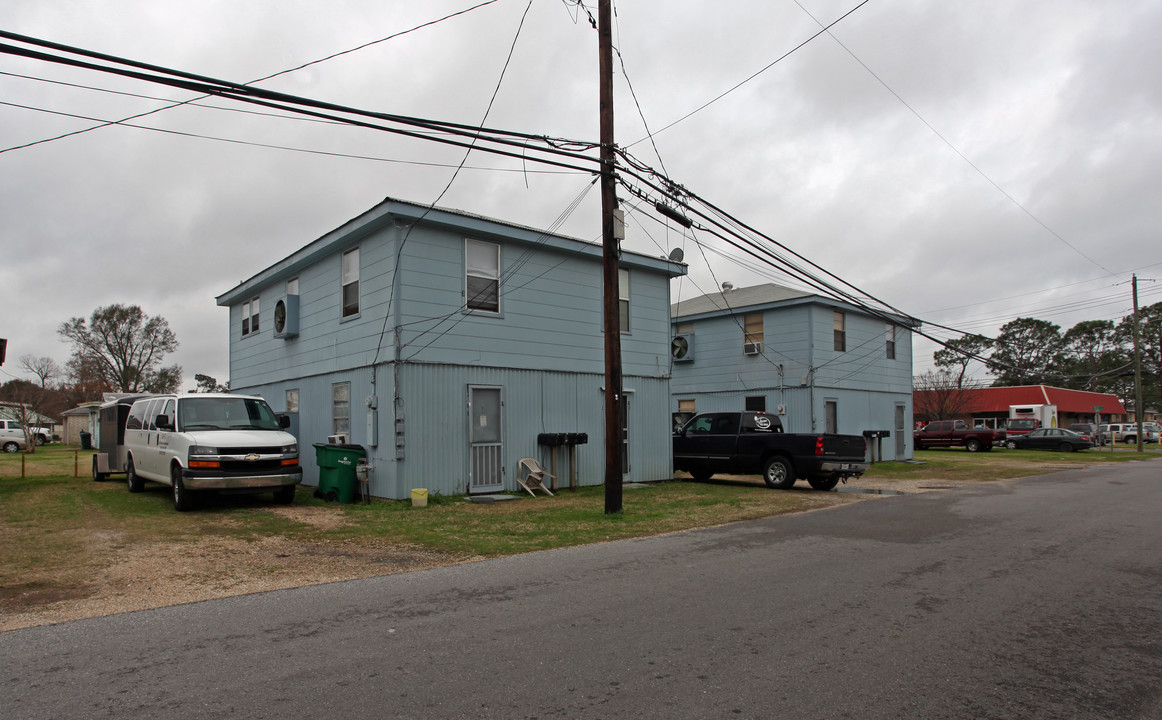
210, 442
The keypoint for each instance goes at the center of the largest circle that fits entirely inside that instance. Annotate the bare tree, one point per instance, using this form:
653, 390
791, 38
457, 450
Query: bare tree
44, 368
938, 395
124, 348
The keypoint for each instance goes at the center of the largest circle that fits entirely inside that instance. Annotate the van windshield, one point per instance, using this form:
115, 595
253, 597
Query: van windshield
220, 413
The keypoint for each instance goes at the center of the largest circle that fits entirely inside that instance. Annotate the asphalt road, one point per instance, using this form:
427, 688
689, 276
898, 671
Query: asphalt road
1038, 598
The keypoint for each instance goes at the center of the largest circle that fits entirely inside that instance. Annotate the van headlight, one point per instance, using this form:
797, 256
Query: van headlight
200, 457
290, 450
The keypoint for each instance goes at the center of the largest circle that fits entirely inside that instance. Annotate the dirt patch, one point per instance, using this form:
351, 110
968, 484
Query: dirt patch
135, 578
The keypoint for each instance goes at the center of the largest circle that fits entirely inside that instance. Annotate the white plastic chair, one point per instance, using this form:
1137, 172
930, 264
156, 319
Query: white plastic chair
535, 480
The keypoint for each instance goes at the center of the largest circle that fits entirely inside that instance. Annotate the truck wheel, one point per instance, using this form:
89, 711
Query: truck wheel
182, 500
11, 447
701, 475
972, 444
134, 483
823, 483
285, 496
97, 475
40, 440
1011, 445
778, 474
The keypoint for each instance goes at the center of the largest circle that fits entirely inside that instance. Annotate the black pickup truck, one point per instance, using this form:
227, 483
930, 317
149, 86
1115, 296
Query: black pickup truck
747, 443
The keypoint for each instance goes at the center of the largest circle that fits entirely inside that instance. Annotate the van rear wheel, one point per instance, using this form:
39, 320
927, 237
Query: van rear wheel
134, 483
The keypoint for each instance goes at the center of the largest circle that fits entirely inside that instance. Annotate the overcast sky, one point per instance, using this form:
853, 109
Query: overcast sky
967, 162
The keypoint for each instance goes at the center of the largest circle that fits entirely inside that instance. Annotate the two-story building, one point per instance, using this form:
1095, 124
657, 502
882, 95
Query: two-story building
445, 343
822, 365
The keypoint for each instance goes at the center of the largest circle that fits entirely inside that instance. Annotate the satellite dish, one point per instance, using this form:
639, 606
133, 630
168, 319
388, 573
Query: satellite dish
676, 255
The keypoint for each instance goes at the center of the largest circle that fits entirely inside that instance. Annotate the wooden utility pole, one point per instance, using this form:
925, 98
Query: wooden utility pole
610, 252
1137, 367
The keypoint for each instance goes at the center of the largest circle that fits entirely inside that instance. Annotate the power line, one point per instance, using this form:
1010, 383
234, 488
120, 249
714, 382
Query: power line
174, 104
782, 57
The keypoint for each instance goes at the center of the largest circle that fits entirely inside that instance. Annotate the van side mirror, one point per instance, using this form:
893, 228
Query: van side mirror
284, 421
163, 422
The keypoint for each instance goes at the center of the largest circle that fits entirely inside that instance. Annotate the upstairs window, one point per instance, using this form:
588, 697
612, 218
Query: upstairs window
623, 299
840, 324
482, 276
752, 333
890, 340
351, 282
254, 315
245, 319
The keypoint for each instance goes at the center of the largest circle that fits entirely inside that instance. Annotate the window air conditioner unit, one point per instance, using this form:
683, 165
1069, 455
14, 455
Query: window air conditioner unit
752, 348
340, 439
286, 317
682, 347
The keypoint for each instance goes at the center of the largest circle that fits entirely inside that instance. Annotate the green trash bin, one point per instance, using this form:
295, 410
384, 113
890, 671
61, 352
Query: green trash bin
337, 479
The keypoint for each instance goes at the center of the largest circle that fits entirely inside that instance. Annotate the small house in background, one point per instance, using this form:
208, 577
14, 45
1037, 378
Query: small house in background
820, 364
447, 343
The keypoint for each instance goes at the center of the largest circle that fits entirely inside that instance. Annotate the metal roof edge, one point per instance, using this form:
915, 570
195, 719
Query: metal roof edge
382, 214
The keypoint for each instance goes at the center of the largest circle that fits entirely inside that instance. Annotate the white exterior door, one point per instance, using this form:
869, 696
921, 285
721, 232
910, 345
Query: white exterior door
486, 441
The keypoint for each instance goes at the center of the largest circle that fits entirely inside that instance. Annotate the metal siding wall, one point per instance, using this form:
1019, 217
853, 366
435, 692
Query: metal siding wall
315, 405
435, 406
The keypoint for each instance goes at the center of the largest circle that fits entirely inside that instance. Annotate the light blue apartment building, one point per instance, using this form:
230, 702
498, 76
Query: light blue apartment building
820, 364
445, 343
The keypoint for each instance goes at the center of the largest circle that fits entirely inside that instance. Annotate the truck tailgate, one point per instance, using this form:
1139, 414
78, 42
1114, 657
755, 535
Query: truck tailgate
852, 447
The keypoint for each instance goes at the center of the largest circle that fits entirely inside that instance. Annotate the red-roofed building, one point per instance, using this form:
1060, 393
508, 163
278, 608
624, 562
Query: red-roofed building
989, 406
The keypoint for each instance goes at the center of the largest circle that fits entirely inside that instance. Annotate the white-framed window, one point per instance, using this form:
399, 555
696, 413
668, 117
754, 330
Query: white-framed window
623, 299
481, 275
350, 291
292, 400
890, 340
831, 416
341, 408
250, 317
839, 323
686, 405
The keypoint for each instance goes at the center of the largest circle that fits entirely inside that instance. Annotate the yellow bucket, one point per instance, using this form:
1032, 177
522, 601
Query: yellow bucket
420, 497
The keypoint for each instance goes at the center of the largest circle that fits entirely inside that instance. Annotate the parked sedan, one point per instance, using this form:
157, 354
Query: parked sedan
1051, 439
